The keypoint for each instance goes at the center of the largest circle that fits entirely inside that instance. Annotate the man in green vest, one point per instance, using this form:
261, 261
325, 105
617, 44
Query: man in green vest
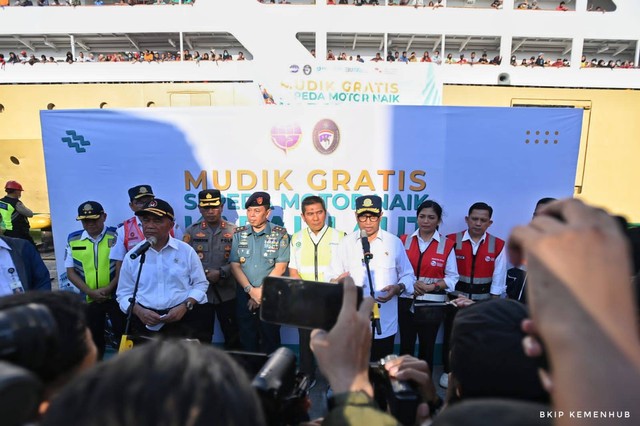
311, 251
14, 213
92, 272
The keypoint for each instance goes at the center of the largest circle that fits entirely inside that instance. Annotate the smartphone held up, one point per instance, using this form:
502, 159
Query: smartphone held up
300, 303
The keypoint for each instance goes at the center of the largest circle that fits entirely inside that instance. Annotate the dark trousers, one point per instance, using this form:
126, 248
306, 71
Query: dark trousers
307, 361
226, 313
409, 331
195, 324
449, 315
97, 315
255, 335
381, 348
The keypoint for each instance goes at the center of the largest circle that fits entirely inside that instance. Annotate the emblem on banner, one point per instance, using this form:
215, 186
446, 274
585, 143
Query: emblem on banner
306, 69
326, 136
286, 137
75, 141
294, 68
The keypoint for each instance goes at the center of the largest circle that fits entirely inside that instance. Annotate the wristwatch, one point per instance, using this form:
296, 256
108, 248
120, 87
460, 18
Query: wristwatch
248, 288
189, 305
402, 288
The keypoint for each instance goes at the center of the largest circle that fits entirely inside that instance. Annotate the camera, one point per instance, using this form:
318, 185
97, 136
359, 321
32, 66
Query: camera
28, 335
282, 390
401, 396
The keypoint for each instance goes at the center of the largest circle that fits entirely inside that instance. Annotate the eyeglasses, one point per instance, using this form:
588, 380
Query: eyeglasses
364, 218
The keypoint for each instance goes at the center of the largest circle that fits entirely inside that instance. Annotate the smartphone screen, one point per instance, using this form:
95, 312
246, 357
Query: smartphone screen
302, 304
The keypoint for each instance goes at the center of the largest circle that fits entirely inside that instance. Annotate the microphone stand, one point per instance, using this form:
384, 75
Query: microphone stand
375, 314
126, 343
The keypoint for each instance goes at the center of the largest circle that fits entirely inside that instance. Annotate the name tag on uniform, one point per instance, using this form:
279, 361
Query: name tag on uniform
16, 287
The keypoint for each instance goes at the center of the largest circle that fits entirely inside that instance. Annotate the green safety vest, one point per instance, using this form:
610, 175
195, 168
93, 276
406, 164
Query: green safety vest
315, 259
96, 269
7, 212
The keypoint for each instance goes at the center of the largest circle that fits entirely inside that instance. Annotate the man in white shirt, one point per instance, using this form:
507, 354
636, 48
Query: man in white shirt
21, 267
173, 285
391, 271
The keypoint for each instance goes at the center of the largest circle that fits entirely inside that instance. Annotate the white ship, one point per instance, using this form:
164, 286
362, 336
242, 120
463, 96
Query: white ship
283, 35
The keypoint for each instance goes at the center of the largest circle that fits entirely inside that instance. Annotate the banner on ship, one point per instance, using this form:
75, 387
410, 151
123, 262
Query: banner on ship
341, 82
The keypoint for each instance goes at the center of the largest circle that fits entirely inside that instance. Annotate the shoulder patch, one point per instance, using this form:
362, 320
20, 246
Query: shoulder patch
75, 235
241, 228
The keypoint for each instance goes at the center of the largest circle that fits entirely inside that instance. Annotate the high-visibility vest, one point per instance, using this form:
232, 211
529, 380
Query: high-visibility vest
315, 258
132, 233
476, 271
430, 264
95, 269
11, 219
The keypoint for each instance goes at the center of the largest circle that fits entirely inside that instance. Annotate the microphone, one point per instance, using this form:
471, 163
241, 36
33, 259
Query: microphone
142, 248
366, 246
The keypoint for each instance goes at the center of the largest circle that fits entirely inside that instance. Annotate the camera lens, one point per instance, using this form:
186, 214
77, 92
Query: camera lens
27, 335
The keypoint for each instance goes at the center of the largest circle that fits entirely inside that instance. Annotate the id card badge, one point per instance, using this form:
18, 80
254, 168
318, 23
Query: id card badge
15, 284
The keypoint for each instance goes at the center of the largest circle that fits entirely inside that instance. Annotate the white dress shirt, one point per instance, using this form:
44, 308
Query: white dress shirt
389, 265
8, 280
168, 278
499, 279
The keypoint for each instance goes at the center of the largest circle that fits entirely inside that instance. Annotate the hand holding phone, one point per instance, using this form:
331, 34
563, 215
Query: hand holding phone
302, 304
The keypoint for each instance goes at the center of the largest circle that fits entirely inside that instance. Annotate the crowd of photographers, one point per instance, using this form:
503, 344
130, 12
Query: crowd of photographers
509, 363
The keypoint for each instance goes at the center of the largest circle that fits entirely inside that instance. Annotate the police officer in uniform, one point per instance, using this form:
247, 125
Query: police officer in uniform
92, 272
14, 213
211, 238
259, 249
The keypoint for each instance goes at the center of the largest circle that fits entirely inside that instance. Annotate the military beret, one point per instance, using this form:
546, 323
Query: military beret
258, 199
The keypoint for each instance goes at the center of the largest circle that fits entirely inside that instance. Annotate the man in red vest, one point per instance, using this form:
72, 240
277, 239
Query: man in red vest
482, 265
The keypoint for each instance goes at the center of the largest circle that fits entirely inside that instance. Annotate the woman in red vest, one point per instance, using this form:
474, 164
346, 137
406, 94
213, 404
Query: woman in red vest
434, 264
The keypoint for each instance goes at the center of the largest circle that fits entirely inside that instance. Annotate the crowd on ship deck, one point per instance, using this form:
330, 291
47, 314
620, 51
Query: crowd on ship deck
23, 57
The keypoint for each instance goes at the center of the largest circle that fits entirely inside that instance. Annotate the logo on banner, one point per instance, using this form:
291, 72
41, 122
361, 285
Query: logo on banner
76, 141
294, 68
326, 136
306, 69
286, 137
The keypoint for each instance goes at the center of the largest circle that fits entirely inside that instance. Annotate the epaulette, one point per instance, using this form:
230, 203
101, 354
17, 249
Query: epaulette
241, 228
279, 229
227, 225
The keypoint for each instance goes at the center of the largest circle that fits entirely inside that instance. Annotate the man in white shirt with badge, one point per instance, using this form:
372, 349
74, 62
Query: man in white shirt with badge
391, 271
173, 285
21, 267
